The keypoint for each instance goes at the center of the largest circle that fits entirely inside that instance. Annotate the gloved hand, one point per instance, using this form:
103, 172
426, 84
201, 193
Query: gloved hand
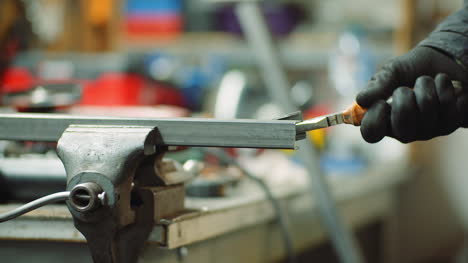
428, 110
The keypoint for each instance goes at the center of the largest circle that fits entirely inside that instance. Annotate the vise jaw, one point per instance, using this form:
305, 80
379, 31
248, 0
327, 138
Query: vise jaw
120, 186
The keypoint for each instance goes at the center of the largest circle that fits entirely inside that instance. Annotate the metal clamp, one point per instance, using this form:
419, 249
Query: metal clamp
113, 175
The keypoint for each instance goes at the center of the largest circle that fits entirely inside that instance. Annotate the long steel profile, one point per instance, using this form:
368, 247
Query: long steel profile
274, 134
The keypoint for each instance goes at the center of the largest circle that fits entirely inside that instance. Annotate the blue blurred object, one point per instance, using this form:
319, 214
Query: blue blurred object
191, 78
197, 79
153, 6
162, 66
332, 165
352, 63
343, 166
193, 84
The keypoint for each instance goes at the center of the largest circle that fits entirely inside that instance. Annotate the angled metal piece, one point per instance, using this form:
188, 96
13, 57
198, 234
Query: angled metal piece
297, 116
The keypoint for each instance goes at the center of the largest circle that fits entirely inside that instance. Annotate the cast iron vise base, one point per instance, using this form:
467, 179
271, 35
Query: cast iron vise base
120, 186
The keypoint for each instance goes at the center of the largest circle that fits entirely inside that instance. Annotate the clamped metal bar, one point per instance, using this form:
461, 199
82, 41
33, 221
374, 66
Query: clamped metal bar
275, 134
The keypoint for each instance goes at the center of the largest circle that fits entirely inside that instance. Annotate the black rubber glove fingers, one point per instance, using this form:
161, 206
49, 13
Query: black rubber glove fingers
404, 70
449, 117
405, 115
428, 110
428, 104
462, 107
376, 122
380, 87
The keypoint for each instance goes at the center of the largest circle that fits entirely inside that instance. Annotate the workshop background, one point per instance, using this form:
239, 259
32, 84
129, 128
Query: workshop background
176, 58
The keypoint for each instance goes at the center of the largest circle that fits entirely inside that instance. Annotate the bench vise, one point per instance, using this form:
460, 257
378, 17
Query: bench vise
120, 185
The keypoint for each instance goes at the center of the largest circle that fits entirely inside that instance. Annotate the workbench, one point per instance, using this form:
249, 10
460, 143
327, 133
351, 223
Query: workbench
236, 228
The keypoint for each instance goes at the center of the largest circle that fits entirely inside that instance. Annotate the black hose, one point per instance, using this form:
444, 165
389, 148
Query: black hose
52, 198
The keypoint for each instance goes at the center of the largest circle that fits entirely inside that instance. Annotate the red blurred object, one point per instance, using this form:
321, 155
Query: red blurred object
157, 25
109, 89
17, 79
317, 110
124, 89
10, 49
166, 95
113, 89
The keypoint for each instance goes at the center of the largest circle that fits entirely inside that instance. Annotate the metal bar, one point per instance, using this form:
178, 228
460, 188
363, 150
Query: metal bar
262, 45
275, 134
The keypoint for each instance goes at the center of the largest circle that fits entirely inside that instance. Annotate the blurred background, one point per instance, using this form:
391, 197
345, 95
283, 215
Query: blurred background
179, 58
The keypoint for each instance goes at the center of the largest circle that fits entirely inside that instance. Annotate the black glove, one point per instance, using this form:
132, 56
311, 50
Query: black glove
430, 109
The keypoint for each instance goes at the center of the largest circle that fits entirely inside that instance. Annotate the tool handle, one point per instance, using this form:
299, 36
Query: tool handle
354, 114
